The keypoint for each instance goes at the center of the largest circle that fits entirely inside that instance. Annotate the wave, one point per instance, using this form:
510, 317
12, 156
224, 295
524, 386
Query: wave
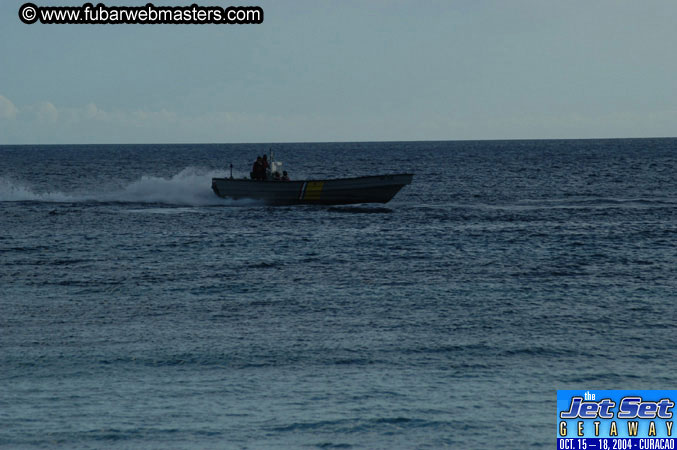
600, 201
11, 191
587, 203
191, 186
360, 210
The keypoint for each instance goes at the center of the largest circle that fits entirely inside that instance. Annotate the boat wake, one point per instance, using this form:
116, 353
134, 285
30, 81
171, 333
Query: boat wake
359, 210
189, 187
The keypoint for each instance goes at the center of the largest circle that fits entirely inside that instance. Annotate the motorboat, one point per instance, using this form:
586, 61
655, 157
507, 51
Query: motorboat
337, 191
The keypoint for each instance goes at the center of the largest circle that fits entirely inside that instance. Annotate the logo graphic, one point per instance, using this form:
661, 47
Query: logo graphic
623, 419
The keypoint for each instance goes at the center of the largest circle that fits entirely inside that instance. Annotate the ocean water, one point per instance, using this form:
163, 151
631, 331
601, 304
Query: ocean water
138, 310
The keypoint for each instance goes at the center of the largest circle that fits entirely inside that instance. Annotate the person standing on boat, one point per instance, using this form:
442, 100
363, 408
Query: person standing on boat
257, 168
265, 167
252, 175
285, 177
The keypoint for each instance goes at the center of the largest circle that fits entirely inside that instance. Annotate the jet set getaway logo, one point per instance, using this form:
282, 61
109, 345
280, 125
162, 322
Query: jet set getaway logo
615, 420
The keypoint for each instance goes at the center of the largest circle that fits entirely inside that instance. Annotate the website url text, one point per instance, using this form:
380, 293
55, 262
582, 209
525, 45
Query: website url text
149, 14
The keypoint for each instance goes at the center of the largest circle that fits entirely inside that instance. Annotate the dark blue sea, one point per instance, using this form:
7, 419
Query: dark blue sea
138, 310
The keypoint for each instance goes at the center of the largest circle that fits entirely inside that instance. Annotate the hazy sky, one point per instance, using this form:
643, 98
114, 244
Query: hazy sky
330, 70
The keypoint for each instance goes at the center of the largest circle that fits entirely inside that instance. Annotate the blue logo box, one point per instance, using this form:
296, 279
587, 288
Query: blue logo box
635, 416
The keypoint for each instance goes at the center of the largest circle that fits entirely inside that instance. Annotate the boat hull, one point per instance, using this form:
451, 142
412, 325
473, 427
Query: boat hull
342, 191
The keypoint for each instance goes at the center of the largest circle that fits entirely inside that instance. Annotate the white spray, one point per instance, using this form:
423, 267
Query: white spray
191, 186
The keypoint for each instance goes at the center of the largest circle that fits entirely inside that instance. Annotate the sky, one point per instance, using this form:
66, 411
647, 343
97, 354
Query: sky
329, 70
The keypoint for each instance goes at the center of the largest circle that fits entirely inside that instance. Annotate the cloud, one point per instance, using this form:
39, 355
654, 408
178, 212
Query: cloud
46, 123
92, 112
47, 112
7, 108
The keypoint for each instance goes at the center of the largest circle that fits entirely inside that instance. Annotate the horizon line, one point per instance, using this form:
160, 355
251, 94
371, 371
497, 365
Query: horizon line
348, 141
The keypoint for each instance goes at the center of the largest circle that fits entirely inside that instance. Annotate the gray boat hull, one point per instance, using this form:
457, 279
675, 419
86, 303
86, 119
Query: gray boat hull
342, 191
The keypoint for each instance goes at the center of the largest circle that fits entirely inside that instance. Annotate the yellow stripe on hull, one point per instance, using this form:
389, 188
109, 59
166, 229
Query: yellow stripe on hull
313, 190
